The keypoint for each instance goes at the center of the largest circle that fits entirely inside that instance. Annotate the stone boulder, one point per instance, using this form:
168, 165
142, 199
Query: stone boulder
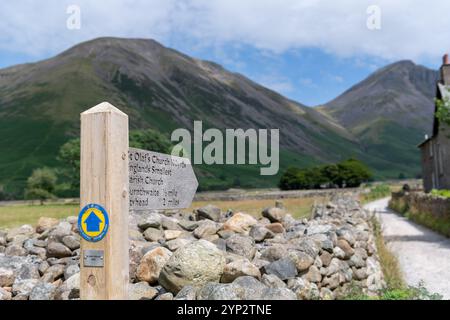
240, 223
274, 214
208, 212
45, 223
151, 264
195, 264
239, 268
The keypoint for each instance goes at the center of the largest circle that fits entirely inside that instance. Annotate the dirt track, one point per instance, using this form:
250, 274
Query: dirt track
422, 253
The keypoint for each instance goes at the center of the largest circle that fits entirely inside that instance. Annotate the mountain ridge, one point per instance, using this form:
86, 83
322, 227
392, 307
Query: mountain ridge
164, 89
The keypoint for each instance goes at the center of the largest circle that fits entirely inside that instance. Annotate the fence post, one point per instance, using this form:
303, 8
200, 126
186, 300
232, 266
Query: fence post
104, 181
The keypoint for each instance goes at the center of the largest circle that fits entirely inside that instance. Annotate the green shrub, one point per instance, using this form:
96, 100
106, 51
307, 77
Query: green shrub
377, 192
442, 193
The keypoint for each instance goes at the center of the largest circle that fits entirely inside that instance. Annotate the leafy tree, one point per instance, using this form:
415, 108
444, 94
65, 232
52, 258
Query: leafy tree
41, 185
289, 180
150, 140
348, 173
352, 173
69, 154
443, 110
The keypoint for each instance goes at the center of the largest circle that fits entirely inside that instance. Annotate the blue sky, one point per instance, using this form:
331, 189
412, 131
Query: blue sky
308, 50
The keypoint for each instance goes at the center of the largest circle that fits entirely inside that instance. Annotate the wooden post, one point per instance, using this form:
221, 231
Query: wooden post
104, 181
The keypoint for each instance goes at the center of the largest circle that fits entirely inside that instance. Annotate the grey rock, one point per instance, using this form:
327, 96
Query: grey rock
165, 296
274, 214
63, 229
43, 266
188, 225
278, 294
24, 287
151, 220
209, 212
274, 252
260, 233
346, 234
283, 268
301, 260
43, 291
196, 264
141, 291
239, 268
205, 228
326, 294
58, 250
338, 253
26, 230
309, 246
37, 251
71, 242
71, 270
187, 293
28, 271
53, 273
70, 289
7, 277
15, 250
169, 223
241, 245
176, 244
272, 281
152, 234
220, 291
319, 228
249, 288
332, 282
4, 295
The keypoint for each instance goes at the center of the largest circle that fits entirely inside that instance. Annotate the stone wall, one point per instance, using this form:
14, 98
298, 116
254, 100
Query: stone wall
208, 255
424, 208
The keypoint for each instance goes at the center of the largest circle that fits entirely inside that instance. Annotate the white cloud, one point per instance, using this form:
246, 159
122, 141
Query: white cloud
409, 29
277, 83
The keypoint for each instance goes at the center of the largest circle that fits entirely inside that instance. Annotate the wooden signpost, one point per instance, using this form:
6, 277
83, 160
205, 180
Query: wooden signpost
114, 179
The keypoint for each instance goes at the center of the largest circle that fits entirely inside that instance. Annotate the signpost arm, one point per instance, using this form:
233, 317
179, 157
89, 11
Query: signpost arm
104, 181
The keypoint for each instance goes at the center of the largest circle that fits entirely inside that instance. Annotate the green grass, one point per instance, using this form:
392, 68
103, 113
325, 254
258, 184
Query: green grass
17, 215
441, 193
376, 192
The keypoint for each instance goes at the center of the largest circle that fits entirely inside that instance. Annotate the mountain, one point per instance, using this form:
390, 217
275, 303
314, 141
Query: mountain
158, 88
379, 120
389, 113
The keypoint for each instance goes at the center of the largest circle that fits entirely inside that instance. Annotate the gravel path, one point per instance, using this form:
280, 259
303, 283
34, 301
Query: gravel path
422, 253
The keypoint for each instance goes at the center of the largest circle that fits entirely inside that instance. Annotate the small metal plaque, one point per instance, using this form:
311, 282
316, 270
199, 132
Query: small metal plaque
93, 258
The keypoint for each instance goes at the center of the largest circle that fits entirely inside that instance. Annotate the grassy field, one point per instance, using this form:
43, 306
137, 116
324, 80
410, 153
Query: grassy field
17, 215
13, 216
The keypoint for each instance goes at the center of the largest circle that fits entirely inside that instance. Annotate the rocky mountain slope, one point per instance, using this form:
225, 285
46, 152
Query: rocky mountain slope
378, 121
158, 88
390, 111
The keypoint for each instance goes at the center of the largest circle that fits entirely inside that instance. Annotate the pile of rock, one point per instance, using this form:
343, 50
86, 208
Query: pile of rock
207, 254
